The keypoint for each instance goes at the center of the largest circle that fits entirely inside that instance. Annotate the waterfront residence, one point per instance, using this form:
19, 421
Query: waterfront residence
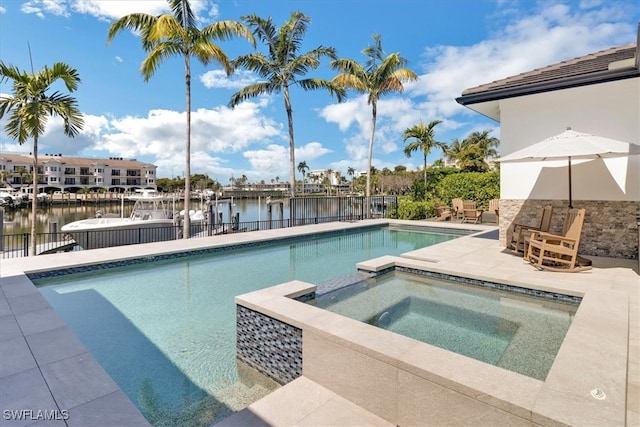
62, 173
598, 94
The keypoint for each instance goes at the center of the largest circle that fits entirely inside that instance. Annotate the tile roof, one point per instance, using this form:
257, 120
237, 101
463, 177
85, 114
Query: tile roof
580, 66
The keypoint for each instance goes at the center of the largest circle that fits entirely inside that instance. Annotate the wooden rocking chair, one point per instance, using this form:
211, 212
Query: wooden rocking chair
494, 206
457, 208
521, 233
558, 252
442, 213
470, 213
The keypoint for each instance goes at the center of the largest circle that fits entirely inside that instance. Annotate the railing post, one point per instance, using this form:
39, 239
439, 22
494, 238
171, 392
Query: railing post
25, 244
1, 229
53, 231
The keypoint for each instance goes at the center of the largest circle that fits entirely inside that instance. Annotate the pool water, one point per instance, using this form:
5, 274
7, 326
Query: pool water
165, 330
516, 332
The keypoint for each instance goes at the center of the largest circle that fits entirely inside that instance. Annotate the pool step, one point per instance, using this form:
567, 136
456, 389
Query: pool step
238, 395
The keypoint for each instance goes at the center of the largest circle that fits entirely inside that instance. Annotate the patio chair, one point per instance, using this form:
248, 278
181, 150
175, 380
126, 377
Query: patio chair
494, 206
470, 213
521, 233
457, 207
442, 213
556, 252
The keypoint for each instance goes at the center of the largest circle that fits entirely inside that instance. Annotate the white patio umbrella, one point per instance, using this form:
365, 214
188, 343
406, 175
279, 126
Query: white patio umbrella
573, 145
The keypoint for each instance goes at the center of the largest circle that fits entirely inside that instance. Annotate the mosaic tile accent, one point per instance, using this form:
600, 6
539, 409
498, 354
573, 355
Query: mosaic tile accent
570, 299
432, 229
341, 282
268, 345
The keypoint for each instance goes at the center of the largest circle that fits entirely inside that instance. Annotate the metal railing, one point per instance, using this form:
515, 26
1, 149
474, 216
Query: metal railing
307, 210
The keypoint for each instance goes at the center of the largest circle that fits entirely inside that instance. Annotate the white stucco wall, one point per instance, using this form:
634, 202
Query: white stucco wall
609, 109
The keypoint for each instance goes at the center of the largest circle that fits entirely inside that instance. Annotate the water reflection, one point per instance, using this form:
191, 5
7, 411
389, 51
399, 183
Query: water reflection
18, 221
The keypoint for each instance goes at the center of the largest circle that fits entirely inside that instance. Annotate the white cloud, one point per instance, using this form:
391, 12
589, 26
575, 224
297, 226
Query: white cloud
114, 9
40, 7
217, 134
269, 162
2, 10
110, 10
219, 79
119, 59
310, 151
552, 35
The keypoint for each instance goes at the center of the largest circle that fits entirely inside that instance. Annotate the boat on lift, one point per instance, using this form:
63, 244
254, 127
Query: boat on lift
150, 221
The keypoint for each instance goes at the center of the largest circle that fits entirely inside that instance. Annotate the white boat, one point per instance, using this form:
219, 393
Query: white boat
149, 221
10, 198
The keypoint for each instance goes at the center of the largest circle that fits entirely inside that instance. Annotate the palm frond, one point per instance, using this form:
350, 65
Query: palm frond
252, 91
350, 81
315, 83
141, 22
183, 14
159, 53
167, 27
257, 63
207, 52
226, 30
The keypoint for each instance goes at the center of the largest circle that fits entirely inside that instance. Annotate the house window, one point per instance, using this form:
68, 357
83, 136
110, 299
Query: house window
53, 179
53, 168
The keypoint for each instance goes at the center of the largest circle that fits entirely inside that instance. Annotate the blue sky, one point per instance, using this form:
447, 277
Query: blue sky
451, 44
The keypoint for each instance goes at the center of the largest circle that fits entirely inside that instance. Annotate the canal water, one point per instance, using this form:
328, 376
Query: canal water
19, 220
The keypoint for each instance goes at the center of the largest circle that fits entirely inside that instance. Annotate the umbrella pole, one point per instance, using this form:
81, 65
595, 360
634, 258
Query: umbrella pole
570, 201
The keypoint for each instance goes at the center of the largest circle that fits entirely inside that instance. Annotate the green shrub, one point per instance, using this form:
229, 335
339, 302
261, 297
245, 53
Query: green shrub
478, 186
408, 209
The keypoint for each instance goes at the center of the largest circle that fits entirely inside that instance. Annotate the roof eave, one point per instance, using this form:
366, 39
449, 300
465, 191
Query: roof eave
566, 83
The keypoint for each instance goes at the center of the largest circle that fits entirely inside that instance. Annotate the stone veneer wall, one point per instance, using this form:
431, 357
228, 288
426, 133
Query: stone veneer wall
268, 345
610, 227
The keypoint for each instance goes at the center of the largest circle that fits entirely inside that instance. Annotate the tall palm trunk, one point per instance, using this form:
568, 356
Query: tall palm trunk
292, 154
187, 177
34, 200
374, 109
425, 171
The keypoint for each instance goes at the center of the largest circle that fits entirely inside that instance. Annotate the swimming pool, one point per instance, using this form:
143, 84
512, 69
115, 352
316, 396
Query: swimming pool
164, 329
520, 333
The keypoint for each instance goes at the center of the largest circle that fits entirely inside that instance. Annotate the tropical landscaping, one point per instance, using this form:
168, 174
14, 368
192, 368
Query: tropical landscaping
466, 173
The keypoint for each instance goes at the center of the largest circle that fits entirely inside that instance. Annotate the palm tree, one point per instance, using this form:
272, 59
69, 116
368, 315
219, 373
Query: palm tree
328, 174
422, 140
476, 148
176, 34
303, 168
351, 172
380, 75
4, 177
282, 67
486, 143
29, 109
454, 149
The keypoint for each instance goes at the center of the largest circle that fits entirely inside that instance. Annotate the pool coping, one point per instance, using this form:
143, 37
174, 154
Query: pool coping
24, 311
564, 398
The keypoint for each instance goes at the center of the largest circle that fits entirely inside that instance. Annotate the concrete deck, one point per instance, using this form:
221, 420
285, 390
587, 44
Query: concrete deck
44, 367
